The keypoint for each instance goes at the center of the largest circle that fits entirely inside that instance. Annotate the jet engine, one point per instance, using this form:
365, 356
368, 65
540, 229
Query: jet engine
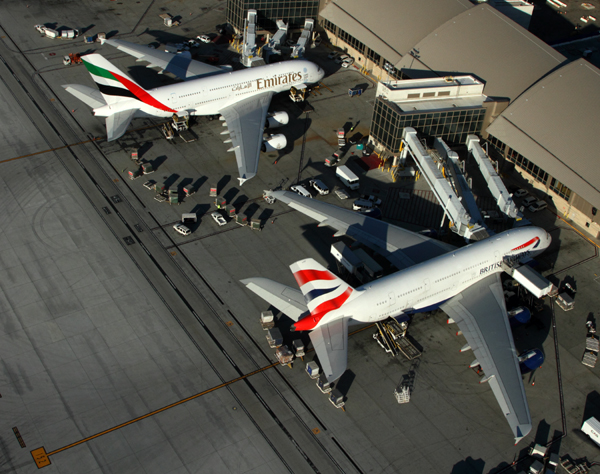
276, 120
274, 142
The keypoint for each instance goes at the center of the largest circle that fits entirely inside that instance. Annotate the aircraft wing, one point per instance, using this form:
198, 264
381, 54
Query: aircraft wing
286, 299
181, 65
401, 247
245, 120
116, 124
481, 316
331, 345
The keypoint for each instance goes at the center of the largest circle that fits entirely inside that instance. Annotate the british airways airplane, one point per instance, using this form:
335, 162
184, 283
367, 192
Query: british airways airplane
464, 283
242, 97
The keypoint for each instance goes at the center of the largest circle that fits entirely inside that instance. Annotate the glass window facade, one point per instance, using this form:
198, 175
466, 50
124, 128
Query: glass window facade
453, 126
535, 171
293, 12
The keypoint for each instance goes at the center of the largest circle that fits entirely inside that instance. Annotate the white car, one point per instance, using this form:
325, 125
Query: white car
183, 230
219, 219
203, 38
320, 186
520, 192
538, 206
348, 62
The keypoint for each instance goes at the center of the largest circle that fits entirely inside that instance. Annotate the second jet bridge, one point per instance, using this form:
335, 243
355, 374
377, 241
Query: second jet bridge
494, 182
461, 221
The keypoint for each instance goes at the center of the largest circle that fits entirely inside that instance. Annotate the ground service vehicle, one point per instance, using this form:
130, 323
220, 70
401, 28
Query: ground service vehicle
218, 218
347, 177
183, 230
320, 186
301, 190
538, 206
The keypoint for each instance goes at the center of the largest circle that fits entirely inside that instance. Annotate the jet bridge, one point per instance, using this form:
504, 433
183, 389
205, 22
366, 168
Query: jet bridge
300, 46
275, 43
494, 182
455, 175
461, 221
250, 56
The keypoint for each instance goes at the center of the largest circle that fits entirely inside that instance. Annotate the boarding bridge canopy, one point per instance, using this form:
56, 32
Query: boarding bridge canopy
494, 182
278, 39
456, 170
461, 221
300, 46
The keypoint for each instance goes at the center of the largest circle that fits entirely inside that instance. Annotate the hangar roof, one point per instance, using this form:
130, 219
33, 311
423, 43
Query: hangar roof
392, 35
484, 42
554, 125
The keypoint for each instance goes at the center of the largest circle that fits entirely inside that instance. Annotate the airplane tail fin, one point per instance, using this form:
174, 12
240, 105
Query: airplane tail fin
322, 290
114, 85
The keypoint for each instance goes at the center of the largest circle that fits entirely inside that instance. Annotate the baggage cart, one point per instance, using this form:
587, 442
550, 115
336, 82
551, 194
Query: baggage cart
337, 399
312, 369
267, 321
274, 338
284, 356
324, 384
298, 346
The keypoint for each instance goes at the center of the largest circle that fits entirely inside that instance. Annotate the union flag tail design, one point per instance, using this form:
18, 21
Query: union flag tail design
322, 290
115, 86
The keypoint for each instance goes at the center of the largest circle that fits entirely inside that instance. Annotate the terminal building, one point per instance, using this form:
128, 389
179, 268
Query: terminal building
539, 108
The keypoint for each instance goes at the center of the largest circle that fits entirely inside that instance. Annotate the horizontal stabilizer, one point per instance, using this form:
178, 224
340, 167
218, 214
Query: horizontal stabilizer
331, 345
287, 300
87, 95
116, 124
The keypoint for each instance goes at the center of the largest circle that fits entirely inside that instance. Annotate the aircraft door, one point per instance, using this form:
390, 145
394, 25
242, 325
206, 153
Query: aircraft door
426, 284
174, 98
391, 298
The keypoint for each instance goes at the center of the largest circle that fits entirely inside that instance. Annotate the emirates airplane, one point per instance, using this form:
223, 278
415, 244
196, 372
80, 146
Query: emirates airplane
242, 97
464, 283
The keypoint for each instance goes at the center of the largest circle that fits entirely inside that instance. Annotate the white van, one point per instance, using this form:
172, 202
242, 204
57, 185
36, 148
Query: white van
528, 201
347, 177
301, 190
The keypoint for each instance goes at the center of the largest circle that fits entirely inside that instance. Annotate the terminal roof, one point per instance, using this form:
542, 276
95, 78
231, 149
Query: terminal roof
553, 124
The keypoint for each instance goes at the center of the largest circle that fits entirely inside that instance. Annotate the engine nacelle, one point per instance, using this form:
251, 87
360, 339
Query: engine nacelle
276, 120
274, 142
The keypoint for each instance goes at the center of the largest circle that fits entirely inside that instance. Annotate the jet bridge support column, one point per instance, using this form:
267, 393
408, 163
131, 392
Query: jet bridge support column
494, 182
461, 222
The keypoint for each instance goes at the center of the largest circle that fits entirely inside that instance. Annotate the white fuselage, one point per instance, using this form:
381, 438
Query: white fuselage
209, 95
430, 283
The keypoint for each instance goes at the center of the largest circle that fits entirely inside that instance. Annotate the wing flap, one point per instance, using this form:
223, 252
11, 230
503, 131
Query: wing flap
286, 299
246, 122
116, 124
480, 313
331, 345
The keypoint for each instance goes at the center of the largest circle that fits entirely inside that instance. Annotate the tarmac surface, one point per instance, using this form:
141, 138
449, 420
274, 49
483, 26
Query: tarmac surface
108, 315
